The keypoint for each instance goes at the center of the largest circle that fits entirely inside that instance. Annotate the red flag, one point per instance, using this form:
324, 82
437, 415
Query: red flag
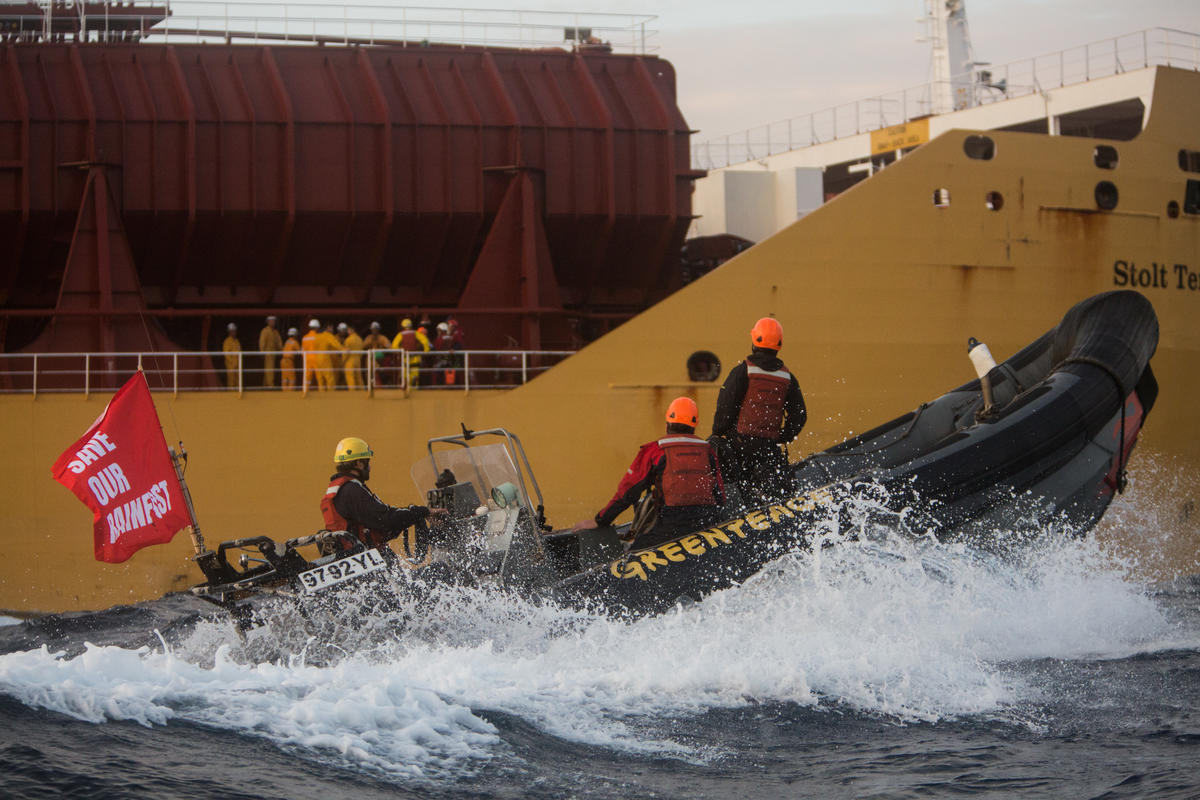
121, 470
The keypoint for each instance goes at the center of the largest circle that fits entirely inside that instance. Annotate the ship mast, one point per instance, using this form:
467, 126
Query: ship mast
952, 60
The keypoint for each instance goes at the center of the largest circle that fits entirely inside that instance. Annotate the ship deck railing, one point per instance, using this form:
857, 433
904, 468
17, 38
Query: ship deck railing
242, 372
990, 84
274, 22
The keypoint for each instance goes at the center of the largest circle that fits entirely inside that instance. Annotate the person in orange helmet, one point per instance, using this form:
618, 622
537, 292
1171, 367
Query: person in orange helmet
760, 407
678, 473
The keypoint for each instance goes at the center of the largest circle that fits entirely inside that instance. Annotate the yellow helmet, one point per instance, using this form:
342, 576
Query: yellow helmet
406, 324
351, 448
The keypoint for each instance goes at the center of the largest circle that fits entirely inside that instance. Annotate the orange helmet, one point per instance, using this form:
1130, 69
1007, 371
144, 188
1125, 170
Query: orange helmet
682, 411
768, 333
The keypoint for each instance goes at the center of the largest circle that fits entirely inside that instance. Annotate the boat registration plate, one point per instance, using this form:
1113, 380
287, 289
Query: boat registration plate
335, 572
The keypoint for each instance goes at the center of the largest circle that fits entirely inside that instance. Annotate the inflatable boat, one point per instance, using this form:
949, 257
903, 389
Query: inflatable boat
1041, 439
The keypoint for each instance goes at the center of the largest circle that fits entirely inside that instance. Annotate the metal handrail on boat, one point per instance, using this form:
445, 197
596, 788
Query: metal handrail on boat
384, 371
1076, 65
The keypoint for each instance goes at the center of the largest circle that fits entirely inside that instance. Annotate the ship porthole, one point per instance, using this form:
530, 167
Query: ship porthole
1105, 156
1172, 209
981, 148
994, 200
1106, 195
703, 366
941, 198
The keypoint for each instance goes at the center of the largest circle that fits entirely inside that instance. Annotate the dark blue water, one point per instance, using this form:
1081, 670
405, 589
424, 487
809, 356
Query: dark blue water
892, 669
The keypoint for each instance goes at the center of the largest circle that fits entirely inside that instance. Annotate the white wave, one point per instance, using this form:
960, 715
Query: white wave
9, 621
902, 629
352, 711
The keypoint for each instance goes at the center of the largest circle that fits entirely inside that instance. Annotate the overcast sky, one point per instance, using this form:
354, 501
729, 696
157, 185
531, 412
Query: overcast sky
748, 62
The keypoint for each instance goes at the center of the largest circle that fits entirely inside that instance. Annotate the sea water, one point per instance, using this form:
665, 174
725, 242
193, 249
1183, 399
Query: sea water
884, 667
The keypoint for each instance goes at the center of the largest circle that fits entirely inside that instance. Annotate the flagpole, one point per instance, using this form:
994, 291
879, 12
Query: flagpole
178, 459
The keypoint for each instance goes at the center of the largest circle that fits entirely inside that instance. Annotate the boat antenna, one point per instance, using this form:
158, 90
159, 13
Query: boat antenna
468, 434
179, 461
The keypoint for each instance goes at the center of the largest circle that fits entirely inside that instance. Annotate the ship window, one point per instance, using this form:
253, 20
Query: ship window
995, 201
979, 147
941, 197
1105, 156
1106, 195
703, 366
1189, 160
1172, 209
1191, 199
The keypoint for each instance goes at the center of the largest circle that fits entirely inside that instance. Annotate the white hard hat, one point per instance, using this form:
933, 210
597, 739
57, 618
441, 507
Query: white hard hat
271, 318
314, 323
231, 327
292, 331
343, 326
442, 326
375, 326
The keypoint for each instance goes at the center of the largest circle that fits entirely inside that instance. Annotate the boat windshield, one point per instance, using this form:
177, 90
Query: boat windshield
462, 479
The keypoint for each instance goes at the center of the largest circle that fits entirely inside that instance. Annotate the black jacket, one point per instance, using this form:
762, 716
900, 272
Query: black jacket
733, 391
361, 507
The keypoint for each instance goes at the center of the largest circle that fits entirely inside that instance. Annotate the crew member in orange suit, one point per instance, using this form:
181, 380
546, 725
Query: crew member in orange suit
287, 363
309, 345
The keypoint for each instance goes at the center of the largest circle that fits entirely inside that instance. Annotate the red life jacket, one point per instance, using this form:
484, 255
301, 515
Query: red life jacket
688, 478
336, 522
761, 414
409, 341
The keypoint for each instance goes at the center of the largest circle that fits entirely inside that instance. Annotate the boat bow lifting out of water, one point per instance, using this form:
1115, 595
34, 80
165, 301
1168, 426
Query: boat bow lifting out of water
1040, 439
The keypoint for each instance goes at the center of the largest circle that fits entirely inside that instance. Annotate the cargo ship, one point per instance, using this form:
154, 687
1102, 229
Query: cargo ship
982, 232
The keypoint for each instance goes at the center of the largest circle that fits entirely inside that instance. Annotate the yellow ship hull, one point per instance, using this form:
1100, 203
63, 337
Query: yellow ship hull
877, 291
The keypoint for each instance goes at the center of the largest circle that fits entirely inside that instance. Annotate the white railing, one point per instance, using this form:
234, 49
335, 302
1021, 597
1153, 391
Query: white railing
1151, 47
247, 371
299, 22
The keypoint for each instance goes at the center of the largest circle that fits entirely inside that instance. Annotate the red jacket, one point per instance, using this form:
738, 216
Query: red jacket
680, 469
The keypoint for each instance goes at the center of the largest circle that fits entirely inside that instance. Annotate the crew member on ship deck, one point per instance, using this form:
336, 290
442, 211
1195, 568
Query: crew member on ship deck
680, 477
760, 407
348, 505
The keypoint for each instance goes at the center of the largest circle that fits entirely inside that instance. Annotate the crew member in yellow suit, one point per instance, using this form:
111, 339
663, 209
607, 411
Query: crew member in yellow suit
329, 358
269, 344
287, 364
414, 342
352, 343
232, 348
309, 345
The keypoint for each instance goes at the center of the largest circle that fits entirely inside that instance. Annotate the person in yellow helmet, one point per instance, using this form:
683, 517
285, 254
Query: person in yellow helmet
759, 408
233, 360
678, 474
348, 505
287, 363
413, 342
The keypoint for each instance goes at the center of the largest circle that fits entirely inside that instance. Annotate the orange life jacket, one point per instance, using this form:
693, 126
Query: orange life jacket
336, 522
761, 414
688, 478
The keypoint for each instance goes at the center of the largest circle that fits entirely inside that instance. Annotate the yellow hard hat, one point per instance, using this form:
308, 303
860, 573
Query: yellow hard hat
406, 324
351, 448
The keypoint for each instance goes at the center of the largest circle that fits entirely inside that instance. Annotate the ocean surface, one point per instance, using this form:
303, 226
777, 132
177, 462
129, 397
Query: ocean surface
884, 667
